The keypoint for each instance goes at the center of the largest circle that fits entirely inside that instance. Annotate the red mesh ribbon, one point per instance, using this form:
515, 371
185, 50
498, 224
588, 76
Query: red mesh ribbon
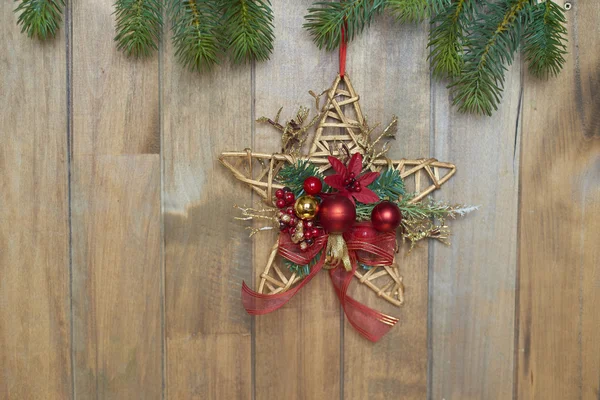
366, 246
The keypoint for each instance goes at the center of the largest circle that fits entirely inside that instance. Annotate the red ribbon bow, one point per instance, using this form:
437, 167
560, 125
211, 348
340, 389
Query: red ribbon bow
365, 246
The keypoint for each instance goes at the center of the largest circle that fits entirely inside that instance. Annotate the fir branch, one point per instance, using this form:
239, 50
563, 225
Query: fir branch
409, 10
492, 42
446, 38
293, 176
138, 26
389, 185
302, 270
40, 18
197, 32
249, 28
325, 20
545, 40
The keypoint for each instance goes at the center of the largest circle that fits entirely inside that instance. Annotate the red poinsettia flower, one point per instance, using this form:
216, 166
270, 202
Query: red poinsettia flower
348, 182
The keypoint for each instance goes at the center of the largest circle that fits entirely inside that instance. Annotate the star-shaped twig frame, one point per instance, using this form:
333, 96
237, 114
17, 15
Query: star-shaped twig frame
342, 128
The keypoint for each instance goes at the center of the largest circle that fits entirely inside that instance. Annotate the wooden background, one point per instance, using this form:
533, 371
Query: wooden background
120, 264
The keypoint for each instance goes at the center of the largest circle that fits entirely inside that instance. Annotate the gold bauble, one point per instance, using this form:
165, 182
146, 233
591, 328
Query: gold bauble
306, 207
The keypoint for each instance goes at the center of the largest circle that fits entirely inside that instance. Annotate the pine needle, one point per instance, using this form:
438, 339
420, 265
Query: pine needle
138, 25
545, 40
40, 18
249, 29
325, 20
197, 32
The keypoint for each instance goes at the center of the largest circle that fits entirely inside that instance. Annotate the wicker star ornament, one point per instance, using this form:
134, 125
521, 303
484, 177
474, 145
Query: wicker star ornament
340, 128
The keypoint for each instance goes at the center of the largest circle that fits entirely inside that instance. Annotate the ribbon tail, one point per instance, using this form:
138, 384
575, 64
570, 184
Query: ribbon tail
371, 324
259, 304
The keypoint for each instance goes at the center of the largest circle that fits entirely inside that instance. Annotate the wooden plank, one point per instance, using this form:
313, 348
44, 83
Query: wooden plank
298, 346
559, 356
389, 70
116, 214
472, 287
35, 326
116, 276
207, 252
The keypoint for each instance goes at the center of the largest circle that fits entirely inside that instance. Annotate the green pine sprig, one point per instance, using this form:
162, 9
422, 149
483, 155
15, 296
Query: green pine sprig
325, 20
302, 270
138, 25
415, 10
494, 38
545, 39
447, 36
389, 185
197, 33
293, 176
40, 18
249, 29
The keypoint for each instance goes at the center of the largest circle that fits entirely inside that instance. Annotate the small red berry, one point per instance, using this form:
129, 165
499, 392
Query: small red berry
307, 234
289, 197
280, 203
352, 175
292, 222
290, 211
313, 185
315, 232
309, 224
279, 193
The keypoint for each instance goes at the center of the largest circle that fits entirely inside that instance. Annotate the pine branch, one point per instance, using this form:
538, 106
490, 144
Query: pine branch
293, 176
40, 18
197, 33
325, 20
446, 38
545, 40
138, 25
492, 42
409, 10
249, 29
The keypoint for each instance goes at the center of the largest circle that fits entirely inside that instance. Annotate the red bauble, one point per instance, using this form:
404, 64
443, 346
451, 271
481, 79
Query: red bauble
313, 185
289, 197
364, 230
386, 216
337, 214
280, 203
279, 193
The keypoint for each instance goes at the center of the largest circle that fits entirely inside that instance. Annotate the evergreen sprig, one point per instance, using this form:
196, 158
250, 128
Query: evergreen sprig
325, 20
138, 25
302, 270
249, 29
447, 36
389, 185
293, 176
494, 38
545, 39
40, 18
415, 10
197, 33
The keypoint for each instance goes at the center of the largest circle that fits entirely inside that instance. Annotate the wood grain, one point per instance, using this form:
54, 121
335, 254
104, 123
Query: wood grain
388, 66
559, 356
116, 276
472, 287
298, 347
116, 221
207, 252
34, 231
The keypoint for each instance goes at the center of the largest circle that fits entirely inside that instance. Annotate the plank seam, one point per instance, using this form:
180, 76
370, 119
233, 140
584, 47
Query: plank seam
69, 144
252, 249
162, 218
517, 306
